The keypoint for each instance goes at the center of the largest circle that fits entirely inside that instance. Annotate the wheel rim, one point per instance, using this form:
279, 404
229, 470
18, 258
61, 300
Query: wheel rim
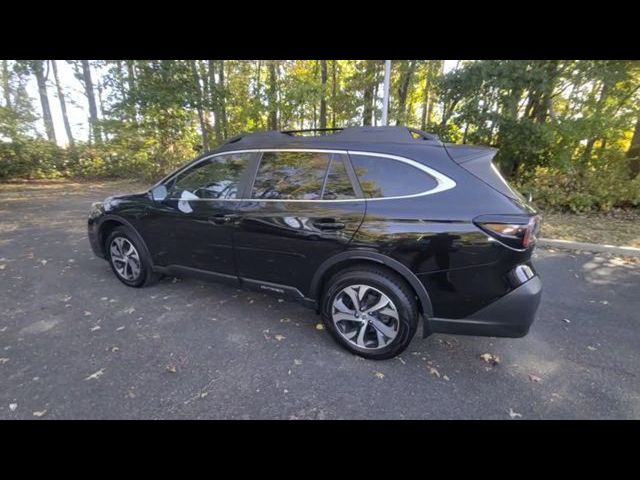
365, 317
125, 258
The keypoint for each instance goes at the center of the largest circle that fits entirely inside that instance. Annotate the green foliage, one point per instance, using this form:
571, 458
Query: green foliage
33, 158
564, 129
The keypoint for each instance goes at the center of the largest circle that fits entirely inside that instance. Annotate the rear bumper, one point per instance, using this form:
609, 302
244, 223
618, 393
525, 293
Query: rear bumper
509, 316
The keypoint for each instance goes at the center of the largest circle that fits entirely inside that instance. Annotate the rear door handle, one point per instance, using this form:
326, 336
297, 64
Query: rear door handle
328, 224
222, 219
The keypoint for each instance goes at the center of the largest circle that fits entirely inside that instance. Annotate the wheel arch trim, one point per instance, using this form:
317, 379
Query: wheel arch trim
126, 223
376, 257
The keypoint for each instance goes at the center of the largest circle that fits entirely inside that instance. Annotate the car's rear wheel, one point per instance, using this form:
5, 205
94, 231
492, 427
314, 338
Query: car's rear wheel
370, 311
128, 259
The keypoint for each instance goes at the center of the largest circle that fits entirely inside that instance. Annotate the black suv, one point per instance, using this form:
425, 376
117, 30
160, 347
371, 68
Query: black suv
373, 227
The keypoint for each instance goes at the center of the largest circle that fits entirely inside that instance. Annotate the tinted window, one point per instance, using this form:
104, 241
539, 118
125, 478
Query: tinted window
291, 175
217, 177
384, 177
338, 186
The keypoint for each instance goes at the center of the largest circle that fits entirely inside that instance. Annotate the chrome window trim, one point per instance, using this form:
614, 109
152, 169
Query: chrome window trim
443, 182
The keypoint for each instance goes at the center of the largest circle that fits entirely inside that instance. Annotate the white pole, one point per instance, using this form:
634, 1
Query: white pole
385, 97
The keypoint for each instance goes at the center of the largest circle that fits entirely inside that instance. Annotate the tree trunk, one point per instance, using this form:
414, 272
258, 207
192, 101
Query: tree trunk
633, 154
257, 118
425, 101
403, 91
333, 94
63, 105
323, 98
204, 75
215, 104
5, 83
369, 75
198, 102
93, 110
131, 93
44, 99
273, 108
222, 99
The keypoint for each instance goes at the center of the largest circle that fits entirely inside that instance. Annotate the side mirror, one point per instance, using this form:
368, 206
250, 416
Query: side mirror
159, 193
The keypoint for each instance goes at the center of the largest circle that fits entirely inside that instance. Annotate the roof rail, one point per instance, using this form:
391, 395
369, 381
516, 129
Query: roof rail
425, 135
292, 132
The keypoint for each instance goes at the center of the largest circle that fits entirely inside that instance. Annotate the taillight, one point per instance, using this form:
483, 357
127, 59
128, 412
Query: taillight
512, 230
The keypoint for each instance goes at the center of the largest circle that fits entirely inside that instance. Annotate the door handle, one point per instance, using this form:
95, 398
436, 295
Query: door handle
328, 224
222, 219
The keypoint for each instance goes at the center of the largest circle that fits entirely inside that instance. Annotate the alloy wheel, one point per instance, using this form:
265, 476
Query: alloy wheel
365, 316
125, 258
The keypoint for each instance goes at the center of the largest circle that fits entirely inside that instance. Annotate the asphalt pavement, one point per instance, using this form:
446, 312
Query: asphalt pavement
76, 343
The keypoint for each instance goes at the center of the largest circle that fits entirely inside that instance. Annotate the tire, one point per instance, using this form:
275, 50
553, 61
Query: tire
121, 239
388, 329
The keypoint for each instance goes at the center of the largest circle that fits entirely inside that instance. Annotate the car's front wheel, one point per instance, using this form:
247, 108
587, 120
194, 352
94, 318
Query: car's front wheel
370, 311
128, 260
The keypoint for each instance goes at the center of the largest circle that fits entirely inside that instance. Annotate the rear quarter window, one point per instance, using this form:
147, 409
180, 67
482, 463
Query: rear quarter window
382, 177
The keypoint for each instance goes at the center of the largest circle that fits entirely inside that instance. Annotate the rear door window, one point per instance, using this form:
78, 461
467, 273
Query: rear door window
291, 175
384, 177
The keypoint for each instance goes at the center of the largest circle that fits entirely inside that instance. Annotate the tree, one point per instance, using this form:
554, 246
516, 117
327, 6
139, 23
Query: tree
272, 96
63, 105
404, 83
38, 70
323, 95
368, 86
199, 106
87, 82
633, 154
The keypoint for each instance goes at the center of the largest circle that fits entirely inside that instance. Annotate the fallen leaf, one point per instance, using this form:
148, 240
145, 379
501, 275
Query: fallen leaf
513, 414
280, 337
434, 371
490, 358
13, 406
96, 375
319, 326
534, 378
40, 413
380, 375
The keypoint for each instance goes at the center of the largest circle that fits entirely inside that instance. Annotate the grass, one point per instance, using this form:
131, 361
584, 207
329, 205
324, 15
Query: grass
620, 228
